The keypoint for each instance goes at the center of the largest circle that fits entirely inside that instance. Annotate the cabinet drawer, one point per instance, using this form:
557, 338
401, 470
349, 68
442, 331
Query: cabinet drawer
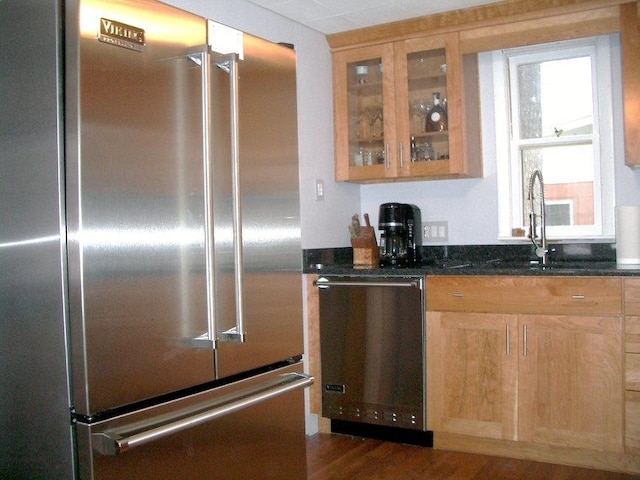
632, 334
632, 372
632, 422
632, 296
535, 295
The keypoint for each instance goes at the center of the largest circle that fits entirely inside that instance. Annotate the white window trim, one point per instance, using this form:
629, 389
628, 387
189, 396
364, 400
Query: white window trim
508, 183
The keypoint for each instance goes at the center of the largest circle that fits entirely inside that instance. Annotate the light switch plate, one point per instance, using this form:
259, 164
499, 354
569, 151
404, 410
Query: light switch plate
319, 189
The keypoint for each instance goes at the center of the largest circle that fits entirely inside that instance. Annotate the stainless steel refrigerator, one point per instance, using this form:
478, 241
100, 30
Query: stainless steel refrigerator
150, 259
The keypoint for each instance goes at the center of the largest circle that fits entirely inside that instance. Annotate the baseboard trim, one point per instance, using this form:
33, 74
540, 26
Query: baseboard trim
614, 462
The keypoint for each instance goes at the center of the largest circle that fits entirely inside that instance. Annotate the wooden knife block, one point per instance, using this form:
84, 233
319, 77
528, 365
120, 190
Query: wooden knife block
366, 253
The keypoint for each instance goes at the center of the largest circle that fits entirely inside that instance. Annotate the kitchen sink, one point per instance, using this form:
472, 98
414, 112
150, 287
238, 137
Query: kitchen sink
563, 266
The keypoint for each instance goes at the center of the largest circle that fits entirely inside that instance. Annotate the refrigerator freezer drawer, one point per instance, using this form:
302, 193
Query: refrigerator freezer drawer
250, 429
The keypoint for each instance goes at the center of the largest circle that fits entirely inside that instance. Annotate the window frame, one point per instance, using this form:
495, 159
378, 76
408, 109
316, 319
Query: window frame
509, 175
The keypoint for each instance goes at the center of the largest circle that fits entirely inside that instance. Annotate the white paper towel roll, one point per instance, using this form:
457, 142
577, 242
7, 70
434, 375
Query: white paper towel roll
628, 235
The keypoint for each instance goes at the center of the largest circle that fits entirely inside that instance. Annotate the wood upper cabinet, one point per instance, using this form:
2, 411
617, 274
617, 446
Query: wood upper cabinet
491, 27
630, 35
382, 97
524, 358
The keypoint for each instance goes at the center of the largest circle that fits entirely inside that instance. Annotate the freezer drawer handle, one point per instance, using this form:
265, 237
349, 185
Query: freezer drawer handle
124, 438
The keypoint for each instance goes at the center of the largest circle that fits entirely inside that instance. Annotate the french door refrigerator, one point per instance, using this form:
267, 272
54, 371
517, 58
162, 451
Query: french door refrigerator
161, 251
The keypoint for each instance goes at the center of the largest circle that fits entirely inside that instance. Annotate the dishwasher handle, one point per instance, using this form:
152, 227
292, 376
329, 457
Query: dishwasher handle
324, 282
125, 438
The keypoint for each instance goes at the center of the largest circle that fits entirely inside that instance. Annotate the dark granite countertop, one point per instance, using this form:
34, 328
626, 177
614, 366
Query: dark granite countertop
589, 259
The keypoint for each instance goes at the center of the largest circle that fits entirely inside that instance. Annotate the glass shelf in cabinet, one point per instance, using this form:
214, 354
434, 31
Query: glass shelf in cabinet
368, 141
427, 82
419, 135
367, 89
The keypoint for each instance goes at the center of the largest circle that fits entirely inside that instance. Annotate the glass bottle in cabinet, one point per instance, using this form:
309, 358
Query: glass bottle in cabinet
437, 118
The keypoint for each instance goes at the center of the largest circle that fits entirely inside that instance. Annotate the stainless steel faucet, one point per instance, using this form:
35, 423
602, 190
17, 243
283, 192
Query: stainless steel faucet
542, 252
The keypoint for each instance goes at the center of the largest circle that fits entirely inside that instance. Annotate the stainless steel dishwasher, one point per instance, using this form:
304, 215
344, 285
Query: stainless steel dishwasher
372, 343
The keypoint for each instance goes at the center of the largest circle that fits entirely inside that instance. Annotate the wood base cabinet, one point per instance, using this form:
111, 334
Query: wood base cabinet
632, 365
570, 381
473, 374
533, 362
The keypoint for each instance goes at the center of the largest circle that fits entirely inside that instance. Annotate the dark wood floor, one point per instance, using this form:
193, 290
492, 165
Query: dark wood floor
342, 457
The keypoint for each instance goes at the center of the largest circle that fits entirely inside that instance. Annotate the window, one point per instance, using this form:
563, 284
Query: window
554, 113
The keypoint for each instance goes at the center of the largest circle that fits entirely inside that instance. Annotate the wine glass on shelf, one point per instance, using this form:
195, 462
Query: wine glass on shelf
420, 109
380, 117
356, 118
372, 114
429, 152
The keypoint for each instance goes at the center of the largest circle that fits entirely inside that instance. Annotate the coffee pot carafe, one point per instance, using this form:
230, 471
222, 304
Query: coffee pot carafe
400, 239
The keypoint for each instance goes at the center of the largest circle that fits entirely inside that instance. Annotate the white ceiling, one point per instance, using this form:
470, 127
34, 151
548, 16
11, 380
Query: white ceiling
333, 16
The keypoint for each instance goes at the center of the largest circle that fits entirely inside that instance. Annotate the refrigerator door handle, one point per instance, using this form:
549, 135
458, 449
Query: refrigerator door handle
121, 439
207, 339
200, 56
235, 333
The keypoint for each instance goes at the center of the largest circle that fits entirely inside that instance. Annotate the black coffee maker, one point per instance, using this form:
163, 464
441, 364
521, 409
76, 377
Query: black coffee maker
400, 240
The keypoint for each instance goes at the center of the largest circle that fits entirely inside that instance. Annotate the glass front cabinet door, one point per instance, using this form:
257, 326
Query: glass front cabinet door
364, 114
400, 111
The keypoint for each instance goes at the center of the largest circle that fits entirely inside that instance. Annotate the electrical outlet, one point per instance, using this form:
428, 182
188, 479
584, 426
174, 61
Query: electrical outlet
435, 232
